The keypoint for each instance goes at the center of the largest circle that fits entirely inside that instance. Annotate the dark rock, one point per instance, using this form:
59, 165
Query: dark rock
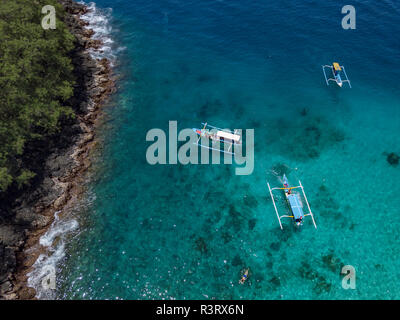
250, 201
227, 237
59, 164
306, 271
201, 245
393, 159
304, 112
27, 293
333, 263
252, 223
25, 217
275, 281
8, 261
322, 286
275, 246
5, 287
11, 235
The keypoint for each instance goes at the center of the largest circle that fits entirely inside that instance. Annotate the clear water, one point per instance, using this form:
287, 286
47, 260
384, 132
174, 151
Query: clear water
186, 232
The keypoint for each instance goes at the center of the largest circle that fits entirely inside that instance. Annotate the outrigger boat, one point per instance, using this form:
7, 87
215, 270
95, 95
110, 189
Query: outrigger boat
216, 134
337, 72
294, 202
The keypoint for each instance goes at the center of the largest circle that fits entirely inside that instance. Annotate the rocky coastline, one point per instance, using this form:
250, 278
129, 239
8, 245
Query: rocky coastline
62, 162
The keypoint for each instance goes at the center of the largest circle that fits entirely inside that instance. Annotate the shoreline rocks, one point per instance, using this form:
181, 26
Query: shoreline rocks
64, 158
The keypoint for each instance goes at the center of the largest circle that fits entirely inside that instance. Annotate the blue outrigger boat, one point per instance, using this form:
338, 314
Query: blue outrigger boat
337, 72
294, 202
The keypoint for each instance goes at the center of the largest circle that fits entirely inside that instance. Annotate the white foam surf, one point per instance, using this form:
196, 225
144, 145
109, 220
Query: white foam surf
43, 275
99, 21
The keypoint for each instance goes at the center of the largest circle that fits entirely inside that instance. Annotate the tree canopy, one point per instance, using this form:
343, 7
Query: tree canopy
35, 82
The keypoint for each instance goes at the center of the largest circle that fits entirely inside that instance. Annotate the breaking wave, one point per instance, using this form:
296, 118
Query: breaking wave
44, 268
99, 21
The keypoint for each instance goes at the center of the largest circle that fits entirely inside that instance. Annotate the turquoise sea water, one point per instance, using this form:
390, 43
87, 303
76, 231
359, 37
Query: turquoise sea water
186, 232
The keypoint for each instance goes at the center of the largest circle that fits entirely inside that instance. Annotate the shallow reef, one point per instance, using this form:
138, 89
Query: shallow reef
304, 139
332, 263
328, 207
320, 284
201, 245
393, 159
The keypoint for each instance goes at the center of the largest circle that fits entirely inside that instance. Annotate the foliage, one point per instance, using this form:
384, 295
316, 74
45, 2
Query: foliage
35, 82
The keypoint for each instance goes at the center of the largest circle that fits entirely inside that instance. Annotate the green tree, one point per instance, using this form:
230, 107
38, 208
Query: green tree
35, 81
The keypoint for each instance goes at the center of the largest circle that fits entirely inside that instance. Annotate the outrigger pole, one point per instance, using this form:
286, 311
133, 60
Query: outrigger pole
308, 205
276, 210
344, 71
326, 78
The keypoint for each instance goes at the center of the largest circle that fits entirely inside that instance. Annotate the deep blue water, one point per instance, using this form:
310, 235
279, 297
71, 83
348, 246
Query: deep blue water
186, 232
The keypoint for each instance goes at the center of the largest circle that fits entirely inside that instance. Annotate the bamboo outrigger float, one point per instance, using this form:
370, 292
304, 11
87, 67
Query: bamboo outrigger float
336, 71
216, 134
294, 202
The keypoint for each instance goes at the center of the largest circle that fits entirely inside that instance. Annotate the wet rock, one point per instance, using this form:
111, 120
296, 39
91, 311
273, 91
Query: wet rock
73, 7
27, 293
5, 287
92, 43
60, 202
41, 221
10, 296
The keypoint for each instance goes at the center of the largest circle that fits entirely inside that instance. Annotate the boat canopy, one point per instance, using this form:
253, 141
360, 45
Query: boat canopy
227, 135
296, 206
336, 66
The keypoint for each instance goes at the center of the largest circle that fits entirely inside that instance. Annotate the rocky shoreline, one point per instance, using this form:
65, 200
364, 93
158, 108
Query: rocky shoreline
64, 158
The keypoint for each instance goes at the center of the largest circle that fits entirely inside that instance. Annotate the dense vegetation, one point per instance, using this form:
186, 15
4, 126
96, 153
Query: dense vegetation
35, 82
